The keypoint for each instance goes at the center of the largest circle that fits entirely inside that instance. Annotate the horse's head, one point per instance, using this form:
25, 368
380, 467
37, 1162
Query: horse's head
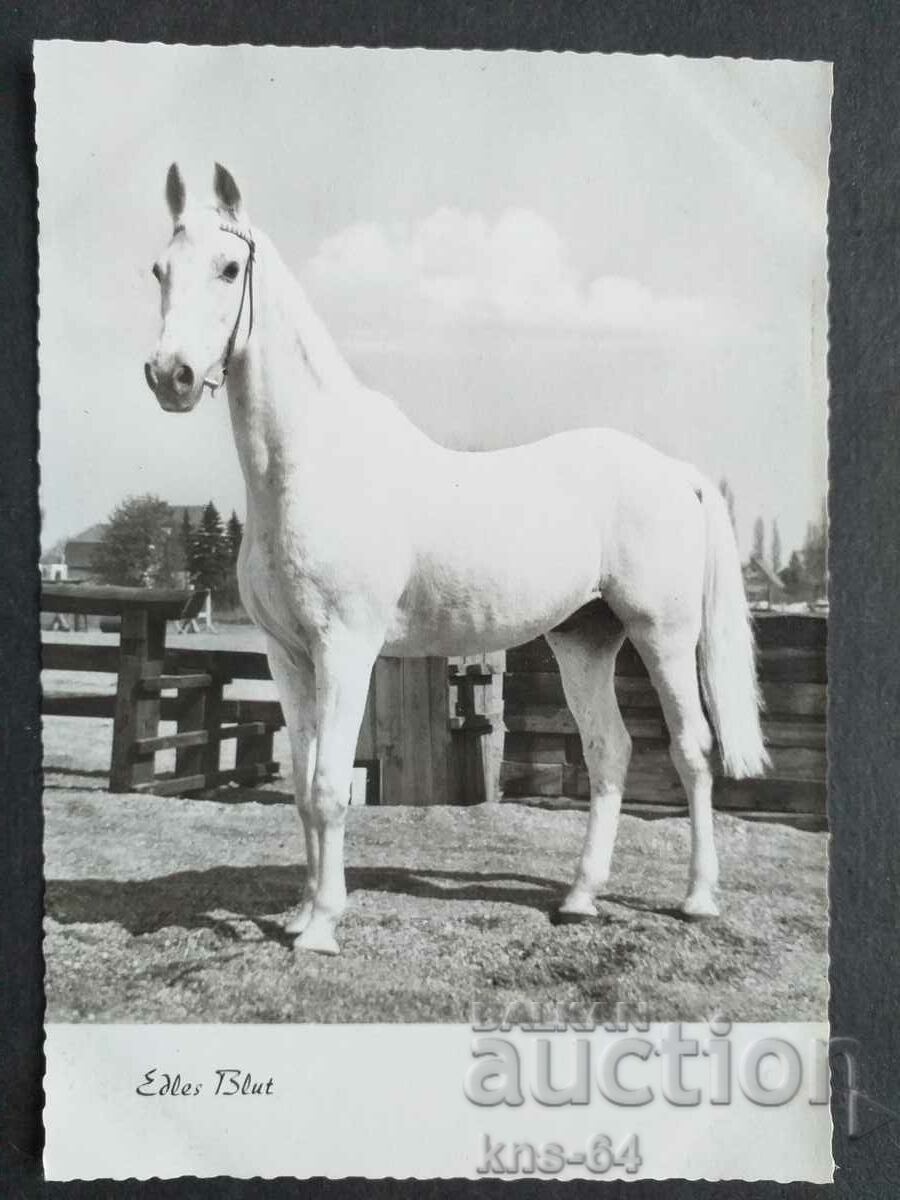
206, 288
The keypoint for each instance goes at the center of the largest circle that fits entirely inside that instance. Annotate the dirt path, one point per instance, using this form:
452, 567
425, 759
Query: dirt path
171, 910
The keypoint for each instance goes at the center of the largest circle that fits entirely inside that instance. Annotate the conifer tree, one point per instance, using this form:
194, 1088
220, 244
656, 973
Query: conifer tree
776, 548
234, 535
759, 540
208, 558
187, 533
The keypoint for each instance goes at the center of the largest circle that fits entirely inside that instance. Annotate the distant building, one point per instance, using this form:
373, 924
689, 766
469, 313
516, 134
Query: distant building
74, 559
53, 566
762, 586
80, 551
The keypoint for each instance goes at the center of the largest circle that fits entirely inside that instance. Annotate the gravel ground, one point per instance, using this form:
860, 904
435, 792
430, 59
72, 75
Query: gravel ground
168, 910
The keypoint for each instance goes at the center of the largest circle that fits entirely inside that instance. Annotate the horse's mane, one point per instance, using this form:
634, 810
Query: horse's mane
314, 342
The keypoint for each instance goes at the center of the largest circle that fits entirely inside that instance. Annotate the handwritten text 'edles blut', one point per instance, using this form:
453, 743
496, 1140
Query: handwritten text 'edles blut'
226, 1081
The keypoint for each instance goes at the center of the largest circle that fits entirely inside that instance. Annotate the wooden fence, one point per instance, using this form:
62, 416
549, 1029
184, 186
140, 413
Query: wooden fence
431, 734
154, 684
542, 755
433, 730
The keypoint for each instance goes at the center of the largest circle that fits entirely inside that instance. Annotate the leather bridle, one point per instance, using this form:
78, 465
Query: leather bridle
246, 295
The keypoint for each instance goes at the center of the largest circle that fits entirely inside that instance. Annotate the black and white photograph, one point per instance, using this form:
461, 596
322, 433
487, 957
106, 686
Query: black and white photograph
434, 611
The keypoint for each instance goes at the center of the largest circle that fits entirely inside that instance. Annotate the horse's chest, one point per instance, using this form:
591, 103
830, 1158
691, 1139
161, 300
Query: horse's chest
282, 581
298, 573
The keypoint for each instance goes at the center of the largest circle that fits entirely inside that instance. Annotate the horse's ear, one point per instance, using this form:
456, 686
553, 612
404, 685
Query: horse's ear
227, 191
175, 195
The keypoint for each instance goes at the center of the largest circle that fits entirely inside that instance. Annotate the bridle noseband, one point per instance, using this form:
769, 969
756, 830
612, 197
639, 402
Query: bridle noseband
246, 294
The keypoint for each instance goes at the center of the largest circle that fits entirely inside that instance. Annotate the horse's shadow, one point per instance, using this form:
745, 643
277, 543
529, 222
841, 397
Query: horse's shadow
646, 906
220, 896
196, 899
76, 779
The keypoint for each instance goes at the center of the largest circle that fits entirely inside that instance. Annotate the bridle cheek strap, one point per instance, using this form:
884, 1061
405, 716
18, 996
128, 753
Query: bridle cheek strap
246, 295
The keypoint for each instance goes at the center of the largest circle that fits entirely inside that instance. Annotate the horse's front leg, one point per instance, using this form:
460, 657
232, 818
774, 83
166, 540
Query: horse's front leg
295, 678
343, 662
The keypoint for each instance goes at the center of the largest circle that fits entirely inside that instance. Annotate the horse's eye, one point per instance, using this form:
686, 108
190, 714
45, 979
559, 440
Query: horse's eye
230, 271
157, 273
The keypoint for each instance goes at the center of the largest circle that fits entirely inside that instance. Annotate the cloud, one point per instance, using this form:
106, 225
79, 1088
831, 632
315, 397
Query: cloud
359, 255
459, 268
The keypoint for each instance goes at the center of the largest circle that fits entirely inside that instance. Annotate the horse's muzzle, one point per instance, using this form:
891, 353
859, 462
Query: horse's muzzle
174, 389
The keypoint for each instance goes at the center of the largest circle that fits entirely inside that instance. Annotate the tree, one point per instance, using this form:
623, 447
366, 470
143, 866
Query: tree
234, 535
208, 553
139, 547
229, 594
815, 552
792, 575
187, 532
728, 494
776, 548
807, 572
759, 540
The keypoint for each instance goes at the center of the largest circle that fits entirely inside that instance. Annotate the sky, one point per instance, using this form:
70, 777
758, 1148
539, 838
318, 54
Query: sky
509, 244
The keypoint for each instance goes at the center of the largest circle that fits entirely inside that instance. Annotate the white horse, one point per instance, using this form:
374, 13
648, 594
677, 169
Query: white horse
364, 537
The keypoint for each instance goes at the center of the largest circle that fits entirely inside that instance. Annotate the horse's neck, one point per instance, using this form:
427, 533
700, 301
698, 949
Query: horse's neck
295, 329
290, 393
289, 375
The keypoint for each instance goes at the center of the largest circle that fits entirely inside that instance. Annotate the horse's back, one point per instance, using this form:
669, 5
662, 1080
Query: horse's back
572, 493
508, 543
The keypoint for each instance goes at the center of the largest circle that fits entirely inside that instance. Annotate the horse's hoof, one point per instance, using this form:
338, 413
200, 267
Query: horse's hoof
563, 916
699, 909
301, 918
317, 940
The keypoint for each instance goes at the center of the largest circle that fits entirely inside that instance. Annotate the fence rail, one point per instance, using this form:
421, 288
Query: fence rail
543, 756
168, 604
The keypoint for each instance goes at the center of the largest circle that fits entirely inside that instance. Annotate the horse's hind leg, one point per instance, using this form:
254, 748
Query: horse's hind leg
670, 656
295, 680
587, 660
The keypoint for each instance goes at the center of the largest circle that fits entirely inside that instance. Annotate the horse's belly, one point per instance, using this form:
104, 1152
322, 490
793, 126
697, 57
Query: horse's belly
447, 612
454, 637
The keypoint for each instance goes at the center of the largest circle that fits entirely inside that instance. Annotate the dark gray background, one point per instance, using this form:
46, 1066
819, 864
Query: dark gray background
863, 42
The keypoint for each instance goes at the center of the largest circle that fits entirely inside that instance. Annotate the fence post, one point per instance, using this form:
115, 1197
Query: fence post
254, 751
191, 717
141, 650
490, 702
212, 721
472, 773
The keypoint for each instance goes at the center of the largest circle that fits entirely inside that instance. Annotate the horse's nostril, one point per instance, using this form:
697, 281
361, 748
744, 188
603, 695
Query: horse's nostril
151, 376
183, 379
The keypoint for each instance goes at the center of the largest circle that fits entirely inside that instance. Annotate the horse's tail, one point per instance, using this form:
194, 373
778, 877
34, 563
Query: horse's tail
727, 652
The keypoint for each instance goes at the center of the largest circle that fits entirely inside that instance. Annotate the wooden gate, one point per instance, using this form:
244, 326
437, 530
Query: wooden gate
432, 732
404, 740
